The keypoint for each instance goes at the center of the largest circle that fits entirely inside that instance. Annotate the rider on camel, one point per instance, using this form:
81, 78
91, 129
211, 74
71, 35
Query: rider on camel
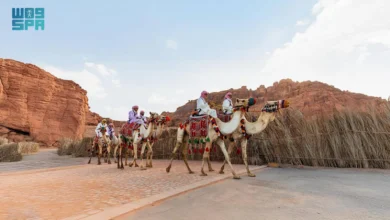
227, 105
133, 116
111, 130
203, 107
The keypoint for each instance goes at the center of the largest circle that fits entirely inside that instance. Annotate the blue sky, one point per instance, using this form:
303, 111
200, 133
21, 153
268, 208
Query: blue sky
159, 54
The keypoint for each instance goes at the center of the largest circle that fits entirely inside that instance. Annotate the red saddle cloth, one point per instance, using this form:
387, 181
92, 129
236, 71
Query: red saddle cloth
225, 118
127, 129
199, 126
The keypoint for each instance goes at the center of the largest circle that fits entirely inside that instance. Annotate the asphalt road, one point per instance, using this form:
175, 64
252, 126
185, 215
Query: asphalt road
286, 193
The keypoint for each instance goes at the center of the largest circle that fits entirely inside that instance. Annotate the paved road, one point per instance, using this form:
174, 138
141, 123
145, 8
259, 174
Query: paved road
69, 191
45, 158
283, 194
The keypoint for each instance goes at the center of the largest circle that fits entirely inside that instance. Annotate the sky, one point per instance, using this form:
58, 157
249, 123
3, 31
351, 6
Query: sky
160, 54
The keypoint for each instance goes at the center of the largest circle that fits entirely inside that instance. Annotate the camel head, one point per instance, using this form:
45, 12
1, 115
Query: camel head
153, 116
274, 106
244, 103
163, 119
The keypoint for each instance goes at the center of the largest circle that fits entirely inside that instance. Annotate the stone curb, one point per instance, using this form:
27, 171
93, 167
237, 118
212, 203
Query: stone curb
112, 212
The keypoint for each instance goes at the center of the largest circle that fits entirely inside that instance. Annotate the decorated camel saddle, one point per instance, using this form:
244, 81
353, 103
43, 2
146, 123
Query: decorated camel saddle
128, 128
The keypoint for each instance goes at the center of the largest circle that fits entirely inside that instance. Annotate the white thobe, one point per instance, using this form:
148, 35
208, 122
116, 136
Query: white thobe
97, 130
204, 108
227, 106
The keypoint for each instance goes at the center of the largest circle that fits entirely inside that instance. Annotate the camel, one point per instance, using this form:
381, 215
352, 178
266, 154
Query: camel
154, 137
250, 128
137, 137
216, 131
102, 142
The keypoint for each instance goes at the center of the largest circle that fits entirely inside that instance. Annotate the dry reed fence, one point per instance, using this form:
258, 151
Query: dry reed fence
12, 152
346, 139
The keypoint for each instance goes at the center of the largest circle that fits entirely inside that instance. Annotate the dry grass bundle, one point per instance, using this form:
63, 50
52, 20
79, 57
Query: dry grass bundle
28, 147
3, 140
10, 152
76, 148
348, 139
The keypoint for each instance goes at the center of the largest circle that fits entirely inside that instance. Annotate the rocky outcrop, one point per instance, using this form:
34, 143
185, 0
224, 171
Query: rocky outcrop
311, 98
37, 104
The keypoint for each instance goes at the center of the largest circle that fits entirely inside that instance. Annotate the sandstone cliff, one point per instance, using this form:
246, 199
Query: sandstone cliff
37, 105
311, 98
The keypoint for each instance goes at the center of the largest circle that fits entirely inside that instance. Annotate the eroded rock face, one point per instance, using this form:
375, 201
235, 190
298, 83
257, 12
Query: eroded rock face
35, 102
311, 98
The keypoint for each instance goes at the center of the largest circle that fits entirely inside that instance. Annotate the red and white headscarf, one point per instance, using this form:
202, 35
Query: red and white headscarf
227, 95
135, 107
203, 94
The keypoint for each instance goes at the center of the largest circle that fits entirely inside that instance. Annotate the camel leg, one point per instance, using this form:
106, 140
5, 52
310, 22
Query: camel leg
206, 155
142, 156
109, 154
244, 143
149, 155
135, 153
121, 156
91, 153
184, 153
127, 150
173, 156
227, 158
230, 150
208, 160
115, 150
100, 154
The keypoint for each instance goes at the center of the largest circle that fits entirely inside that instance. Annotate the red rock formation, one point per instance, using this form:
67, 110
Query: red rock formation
311, 98
34, 102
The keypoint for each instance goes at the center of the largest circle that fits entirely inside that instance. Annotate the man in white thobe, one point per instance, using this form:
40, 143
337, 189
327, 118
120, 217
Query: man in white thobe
203, 107
227, 105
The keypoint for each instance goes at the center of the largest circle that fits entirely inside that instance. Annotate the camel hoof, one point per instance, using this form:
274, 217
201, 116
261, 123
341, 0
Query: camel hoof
203, 174
99, 163
125, 164
236, 177
136, 165
89, 162
211, 170
251, 175
191, 172
115, 161
221, 172
109, 162
168, 169
130, 165
143, 168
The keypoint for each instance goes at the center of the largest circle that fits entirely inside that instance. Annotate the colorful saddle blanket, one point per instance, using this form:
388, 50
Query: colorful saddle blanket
128, 128
225, 117
199, 126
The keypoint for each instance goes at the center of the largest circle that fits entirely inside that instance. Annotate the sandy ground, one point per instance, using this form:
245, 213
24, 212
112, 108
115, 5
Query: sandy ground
286, 193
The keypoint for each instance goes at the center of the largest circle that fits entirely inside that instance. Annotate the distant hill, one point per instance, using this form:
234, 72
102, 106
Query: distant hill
311, 98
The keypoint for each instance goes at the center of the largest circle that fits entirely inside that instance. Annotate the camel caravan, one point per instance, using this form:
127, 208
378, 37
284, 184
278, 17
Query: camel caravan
197, 134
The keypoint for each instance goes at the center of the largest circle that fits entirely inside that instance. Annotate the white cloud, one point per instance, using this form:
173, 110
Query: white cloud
102, 69
171, 44
179, 91
160, 99
302, 22
87, 80
116, 82
347, 45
